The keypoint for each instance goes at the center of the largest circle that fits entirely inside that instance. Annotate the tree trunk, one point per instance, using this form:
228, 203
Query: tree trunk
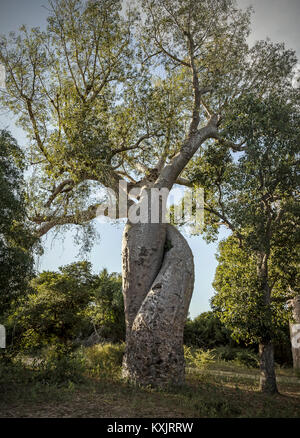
267, 382
158, 280
295, 332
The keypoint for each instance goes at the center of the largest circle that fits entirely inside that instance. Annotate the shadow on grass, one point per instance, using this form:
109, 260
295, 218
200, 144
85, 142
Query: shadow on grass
24, 394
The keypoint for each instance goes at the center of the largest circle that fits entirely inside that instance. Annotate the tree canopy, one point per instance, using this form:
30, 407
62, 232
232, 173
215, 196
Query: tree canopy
66, 307
256, 195
108, 95
16, 239
239, 300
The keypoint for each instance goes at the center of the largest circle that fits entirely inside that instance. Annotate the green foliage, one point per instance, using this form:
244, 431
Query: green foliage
225, 352
247, 358
255, 194
106, 311
206, 331
12, 371
240, 302
202, 359
61, 367
103, 93
197, 358
16, 238
65, 307
105, 360
241, 356
55, 311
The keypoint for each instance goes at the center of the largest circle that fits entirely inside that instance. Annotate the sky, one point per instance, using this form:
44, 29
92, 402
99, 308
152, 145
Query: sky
276, 19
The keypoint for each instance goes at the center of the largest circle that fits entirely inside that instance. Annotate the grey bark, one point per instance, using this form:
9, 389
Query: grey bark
158, 280
295, 332
158, 284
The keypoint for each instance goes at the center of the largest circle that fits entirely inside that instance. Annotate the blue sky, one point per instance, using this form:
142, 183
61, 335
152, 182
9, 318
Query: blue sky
276, 19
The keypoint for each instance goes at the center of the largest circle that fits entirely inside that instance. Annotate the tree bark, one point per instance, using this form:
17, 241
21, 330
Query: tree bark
267, 382
158, 280
295, 332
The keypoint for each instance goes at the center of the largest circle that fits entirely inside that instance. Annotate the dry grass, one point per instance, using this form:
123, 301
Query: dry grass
205, 395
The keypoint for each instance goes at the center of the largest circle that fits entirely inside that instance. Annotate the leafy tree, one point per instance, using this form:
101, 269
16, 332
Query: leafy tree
206, 331
54, 313
239, 301
107, 308
107, 98
69, 305
255, 196
16, 239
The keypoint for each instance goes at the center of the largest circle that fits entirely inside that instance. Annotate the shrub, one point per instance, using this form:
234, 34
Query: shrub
206, 331
61, 366
105, 360
297, 372
12, 372
238, 355
226, 353
247, 358
198, 358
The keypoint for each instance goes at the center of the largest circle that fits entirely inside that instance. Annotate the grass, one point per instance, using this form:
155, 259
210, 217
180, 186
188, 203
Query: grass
217, 390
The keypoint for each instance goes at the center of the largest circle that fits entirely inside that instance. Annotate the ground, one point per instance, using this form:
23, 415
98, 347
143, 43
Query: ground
221, 390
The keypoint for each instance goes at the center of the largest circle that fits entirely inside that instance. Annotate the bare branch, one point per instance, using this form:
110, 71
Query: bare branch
183, 182
196, 88
35, 129
135, 145
225, 221
171, 171
227, 143
77, 219
60, 189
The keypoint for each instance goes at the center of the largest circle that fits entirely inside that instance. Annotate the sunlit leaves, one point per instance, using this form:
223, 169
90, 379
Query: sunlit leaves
239, 300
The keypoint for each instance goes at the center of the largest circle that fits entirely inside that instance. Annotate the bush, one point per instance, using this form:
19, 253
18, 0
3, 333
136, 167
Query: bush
12, 372
225, 352
61, 366
206, 331
105, 360
247, 358
238, 355
198, 358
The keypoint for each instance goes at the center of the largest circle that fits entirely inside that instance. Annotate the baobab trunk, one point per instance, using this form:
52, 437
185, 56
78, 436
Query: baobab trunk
295, 332
158, 280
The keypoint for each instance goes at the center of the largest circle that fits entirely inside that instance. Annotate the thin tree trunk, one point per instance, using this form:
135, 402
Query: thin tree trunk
158, 280
267, 382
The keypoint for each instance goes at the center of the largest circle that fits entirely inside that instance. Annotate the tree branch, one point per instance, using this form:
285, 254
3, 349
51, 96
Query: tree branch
227, 143
183, 182
60, 189
49, 222
171, 171
225, 220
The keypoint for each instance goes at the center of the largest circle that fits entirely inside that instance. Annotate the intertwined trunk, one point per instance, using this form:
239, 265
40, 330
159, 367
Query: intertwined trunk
158, 280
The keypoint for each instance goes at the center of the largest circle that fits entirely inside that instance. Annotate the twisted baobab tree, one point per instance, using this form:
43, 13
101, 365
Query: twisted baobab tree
110, 95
